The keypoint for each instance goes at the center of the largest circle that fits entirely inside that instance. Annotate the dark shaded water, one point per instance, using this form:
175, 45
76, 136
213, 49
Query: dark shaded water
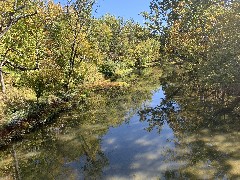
137, 134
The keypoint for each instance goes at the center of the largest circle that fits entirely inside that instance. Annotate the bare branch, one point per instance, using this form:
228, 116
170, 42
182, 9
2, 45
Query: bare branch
4, 31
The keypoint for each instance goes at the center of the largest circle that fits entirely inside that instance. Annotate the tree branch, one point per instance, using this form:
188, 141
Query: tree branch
13, 20
19, 67
4, 71
23, 16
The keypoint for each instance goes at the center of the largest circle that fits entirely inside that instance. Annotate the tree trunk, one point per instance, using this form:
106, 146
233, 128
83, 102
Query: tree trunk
16, 164
2, 81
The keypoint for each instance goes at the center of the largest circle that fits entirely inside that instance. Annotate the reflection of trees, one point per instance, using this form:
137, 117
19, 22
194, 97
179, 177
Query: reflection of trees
16, 164
70, 147
56, 152
190, 101
205, 119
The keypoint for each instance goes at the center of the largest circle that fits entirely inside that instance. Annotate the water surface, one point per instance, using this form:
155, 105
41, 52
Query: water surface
137, 134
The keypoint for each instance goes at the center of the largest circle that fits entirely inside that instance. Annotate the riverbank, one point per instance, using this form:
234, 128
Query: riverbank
31, 115
36, 115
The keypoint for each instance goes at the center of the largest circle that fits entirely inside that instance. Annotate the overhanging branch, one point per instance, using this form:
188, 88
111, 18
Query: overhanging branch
13, 20
23, 16
19, 67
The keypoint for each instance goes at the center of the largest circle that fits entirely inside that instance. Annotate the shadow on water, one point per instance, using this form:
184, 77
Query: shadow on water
143, 132
206, 124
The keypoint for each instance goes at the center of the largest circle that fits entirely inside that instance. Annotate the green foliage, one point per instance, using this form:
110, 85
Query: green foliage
108, 69
56, 50
125, 45
200, 38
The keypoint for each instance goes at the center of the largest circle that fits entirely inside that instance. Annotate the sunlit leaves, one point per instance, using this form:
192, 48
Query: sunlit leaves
199, 37
54, 49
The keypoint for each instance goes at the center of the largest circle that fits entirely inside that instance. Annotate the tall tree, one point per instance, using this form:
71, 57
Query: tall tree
192, 31
11, 13
68, 41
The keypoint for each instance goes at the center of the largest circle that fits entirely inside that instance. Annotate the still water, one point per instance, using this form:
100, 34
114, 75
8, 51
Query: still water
128, 135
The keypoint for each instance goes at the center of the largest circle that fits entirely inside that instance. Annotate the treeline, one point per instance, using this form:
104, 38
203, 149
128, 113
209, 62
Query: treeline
200, 47
53, 49
49, 49
199, 39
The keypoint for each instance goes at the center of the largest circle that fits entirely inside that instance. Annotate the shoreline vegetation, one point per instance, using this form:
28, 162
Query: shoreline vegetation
49, 51
39, 114
53, 57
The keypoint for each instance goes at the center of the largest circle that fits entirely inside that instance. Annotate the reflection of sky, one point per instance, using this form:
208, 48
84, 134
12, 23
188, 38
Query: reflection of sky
134, 153
156, 98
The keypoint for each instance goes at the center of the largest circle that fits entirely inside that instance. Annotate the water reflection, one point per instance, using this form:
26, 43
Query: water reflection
139, 133
206, 124
133, 153
71, 146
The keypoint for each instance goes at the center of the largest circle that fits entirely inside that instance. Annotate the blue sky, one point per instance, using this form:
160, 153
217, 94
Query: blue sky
124, 8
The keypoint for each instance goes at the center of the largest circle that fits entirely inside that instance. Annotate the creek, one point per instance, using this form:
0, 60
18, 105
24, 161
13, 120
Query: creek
129, 134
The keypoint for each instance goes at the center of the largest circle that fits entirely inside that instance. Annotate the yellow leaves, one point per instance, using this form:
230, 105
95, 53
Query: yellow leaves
6, 5
60, 42
53, 10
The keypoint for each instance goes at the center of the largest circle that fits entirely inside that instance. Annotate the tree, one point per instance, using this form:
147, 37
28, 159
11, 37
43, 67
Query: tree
191, 34
69, 44
11, 13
